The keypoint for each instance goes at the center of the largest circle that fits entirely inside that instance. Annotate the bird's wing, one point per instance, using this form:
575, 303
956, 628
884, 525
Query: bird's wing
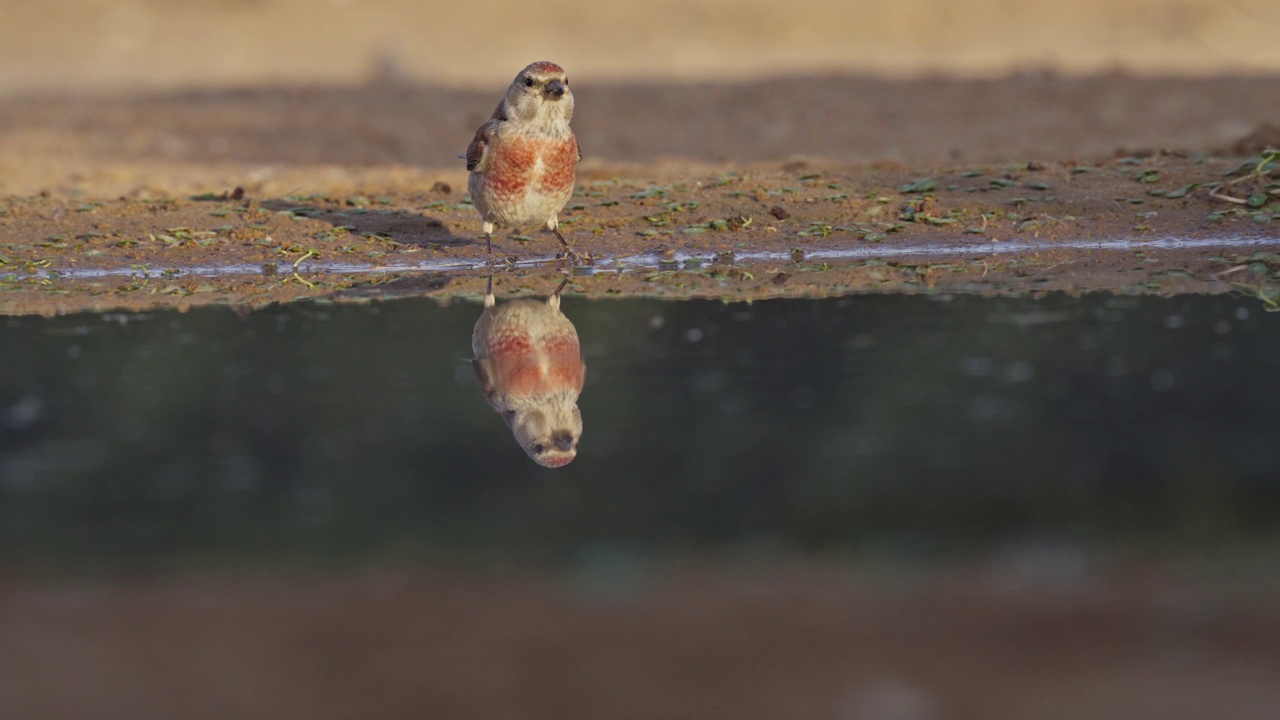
484, 378
575, 142
478, 150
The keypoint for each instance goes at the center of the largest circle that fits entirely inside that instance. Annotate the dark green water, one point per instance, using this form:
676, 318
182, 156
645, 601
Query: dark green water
917, 424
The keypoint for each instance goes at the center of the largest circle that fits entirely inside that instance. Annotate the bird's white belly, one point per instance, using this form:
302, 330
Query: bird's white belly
529, 208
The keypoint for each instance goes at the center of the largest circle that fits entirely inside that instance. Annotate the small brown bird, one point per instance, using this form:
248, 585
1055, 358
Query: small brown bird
523, 159
528, 363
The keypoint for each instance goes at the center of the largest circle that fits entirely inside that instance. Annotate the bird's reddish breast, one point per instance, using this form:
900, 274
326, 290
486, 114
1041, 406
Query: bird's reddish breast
516, 169
560, 159
513, 166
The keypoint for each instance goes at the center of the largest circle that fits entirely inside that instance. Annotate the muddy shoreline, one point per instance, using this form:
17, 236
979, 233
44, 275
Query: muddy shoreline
1165, 223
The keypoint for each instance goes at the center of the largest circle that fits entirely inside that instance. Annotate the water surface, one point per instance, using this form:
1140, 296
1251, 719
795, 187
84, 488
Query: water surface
913, 423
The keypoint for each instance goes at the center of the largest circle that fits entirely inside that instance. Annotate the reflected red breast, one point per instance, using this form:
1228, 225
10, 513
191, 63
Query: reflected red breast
525, 367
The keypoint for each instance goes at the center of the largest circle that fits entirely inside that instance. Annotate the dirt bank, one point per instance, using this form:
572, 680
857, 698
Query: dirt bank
791, 229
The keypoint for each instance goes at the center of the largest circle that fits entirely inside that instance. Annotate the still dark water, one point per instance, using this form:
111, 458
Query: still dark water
908, 424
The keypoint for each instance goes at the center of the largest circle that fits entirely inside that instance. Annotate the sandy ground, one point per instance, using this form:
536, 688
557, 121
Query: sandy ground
347, 179
767, 230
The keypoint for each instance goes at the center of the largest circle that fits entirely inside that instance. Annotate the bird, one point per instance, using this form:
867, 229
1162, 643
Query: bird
523, 159
528, 364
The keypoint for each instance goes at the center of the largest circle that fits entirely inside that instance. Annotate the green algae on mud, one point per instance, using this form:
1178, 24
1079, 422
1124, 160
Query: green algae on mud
780, 230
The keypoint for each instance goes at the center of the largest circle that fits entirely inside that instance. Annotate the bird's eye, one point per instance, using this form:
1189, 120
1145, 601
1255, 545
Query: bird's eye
539, 449
566, 82
528, 82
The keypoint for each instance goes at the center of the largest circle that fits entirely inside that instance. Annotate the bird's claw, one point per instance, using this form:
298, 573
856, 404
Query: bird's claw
576, 258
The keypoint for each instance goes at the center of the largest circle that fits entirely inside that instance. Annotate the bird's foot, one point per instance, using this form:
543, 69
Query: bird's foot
576, 258
571, 254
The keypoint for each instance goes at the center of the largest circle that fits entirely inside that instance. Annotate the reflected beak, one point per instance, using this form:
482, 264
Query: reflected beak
563, 441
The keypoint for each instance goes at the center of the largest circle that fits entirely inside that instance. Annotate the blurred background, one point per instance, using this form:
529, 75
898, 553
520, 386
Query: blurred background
279, 96
870, 508
105, 44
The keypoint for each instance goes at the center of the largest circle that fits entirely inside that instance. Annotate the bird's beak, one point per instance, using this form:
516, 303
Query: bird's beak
555, 89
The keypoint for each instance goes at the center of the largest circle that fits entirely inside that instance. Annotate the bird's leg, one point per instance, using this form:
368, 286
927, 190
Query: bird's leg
487, 228
489, 300
569, 252
553, 302
554, 226
563, 242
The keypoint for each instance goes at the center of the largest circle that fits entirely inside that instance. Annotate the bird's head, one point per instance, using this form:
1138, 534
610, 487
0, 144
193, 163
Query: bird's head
540, 95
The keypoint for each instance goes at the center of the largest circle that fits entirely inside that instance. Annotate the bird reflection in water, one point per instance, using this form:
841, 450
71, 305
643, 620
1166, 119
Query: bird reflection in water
529, 365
